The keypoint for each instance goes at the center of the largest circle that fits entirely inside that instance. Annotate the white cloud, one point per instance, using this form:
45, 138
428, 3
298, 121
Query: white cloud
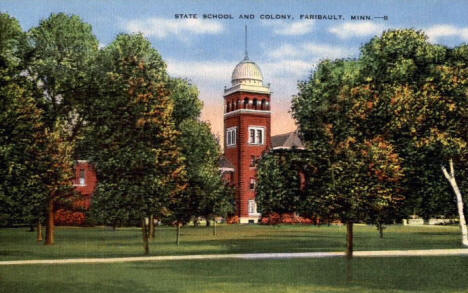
163, 27
292, 69
201, 72
309, 49
445, 30
291, 29
356, 29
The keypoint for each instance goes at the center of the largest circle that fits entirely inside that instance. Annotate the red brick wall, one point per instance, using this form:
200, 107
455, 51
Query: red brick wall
87, 189
241, 154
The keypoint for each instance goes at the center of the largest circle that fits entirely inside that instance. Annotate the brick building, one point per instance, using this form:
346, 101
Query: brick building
247, 134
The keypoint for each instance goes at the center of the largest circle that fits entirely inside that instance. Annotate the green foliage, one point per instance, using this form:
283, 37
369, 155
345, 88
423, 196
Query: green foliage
206, 195
408, 92
23, 164
63, 55
22, 145
279, 187
131, 138
187, 105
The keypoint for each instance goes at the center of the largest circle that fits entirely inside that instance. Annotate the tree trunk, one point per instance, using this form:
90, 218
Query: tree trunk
114, 226
31, 228
50, 226
349, 240
380, 228
178, 234
214, 226
151, 227
144, 230
451, 178
39, 231
349, 251
208, 222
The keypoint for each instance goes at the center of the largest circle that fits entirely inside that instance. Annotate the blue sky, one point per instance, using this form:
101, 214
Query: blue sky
206, 50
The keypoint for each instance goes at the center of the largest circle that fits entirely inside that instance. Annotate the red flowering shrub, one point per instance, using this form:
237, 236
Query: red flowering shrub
286, 218
66, 217
233, 220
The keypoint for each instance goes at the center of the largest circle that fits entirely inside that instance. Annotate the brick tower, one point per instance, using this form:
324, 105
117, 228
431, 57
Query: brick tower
247, 120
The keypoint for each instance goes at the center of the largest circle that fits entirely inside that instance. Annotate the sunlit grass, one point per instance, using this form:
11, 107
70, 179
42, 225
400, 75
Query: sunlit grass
103, 242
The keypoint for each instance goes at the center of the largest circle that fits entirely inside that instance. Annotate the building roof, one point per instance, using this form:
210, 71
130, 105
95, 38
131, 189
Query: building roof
287, 141
225, 165
247, 72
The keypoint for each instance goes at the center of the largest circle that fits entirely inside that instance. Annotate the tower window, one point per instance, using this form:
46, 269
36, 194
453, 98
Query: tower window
255, 104
231, 134
256, 135
252, 207
252, 184
82, 177
253, 160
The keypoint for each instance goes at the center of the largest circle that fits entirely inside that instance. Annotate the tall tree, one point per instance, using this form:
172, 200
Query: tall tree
22, 133
63, 52
362, 165
132, 138
422, 90
209, 196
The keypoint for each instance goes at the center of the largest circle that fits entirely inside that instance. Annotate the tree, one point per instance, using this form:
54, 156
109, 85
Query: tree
279, 188
209, 196
362, 166
22, 134
63, 52
423, 92
132, 138
406, 91
206, 195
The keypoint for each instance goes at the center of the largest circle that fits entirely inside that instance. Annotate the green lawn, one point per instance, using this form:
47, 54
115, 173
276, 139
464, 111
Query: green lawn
413, 274
16, 244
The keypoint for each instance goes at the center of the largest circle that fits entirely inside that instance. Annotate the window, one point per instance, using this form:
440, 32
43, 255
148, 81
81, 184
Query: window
253, 182
82, 177
253, 160
231, 136
252, 207
256, 135
259, 137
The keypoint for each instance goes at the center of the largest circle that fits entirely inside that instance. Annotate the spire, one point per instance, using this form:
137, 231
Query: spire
246, 57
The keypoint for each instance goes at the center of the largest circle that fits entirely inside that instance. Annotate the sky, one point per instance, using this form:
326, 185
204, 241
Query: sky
204, 40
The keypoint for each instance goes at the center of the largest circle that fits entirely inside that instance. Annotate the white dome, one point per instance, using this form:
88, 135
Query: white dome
247, 72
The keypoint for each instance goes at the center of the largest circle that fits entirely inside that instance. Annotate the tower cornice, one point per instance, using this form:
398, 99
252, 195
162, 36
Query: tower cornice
247, 88
247, 111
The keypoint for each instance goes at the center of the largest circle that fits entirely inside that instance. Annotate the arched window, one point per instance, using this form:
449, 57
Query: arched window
228, 107
246, 103
255, 104
264, 105
239, 104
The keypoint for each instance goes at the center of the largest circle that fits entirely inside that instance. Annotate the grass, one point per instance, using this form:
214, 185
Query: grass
414, 274
392, 274
17, 244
